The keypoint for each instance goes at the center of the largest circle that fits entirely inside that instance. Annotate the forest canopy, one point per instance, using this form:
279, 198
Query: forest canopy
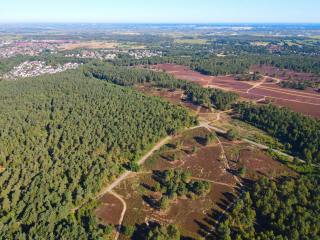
284, 209
63, 137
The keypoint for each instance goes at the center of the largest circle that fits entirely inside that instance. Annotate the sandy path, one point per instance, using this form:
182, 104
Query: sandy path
214, 182
127, 173
226, 162
123, 176
292, 92
273, 97
122, 213
219, 114
257, 84
198, 110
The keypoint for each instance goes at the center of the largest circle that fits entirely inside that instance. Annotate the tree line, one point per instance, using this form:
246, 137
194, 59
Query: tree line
125, 76
300, 134
209, 64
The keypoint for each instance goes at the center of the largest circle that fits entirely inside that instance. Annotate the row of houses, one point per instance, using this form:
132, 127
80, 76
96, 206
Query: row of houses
36, 68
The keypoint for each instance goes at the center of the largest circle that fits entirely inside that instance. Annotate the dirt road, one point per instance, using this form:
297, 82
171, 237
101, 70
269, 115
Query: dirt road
127, 173
122, 213
257, 84
124, 175
214, 182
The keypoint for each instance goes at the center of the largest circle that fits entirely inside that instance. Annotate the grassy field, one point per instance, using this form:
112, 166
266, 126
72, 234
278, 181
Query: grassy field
10, 37
131, 46
191, 41
100, 45
89, 45
260, 44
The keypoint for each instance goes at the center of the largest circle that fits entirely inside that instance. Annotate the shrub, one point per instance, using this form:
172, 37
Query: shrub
232, 134
129, 230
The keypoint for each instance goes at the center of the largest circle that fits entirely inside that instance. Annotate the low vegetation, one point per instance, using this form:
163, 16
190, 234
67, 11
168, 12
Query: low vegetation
294, 85
248, 77
210, 138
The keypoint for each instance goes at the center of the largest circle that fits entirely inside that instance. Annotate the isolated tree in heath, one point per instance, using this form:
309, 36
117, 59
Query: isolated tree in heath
157, 187
242, 171
129, 230
232, 134
170, 232
210, 138
164, 203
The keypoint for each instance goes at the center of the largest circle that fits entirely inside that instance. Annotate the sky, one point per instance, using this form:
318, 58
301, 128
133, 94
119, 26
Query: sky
161, 11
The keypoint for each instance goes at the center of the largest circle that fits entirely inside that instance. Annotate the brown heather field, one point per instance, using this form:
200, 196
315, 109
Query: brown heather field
306, 101
218, 163
109, 210
194, 218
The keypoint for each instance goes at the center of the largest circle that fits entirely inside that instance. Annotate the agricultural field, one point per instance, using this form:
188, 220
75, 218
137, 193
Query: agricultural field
99, 45
265, 90
190, 41
89, 45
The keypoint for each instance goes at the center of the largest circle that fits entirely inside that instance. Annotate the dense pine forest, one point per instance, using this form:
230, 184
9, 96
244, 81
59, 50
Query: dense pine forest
130, 76
233, 64
62, 138
299, 133
284, 209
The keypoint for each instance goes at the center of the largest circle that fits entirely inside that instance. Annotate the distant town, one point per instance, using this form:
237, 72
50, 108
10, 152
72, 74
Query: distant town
27, 48
113, 54
37, 68
59, 48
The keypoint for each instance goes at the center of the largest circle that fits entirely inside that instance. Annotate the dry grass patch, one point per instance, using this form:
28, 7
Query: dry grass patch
191, 41
89, 45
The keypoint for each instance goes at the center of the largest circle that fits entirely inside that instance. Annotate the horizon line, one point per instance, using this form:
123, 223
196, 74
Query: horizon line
155, 23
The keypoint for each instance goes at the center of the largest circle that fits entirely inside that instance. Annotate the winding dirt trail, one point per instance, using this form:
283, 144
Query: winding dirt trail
214, 182
198, 110
219, 114
126, 174
225, 159
155, 148
257, 84
122, 213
